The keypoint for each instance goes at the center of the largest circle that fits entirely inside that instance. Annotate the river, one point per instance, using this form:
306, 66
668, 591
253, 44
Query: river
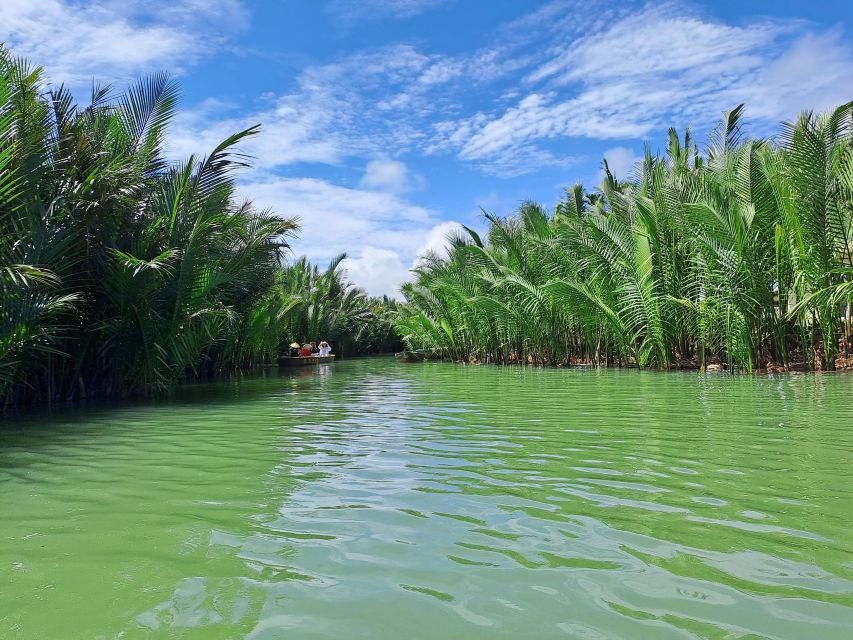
371, 499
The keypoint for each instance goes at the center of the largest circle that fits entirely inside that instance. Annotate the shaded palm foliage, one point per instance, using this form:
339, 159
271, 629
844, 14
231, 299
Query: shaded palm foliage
741, 253
122, 273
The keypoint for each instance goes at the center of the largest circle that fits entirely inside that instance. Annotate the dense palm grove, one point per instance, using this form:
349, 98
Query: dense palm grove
122, 273
740, 255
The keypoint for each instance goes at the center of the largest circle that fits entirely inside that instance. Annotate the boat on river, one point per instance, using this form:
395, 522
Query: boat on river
302, 361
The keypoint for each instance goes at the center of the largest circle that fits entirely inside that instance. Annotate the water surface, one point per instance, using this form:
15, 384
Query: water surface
370, 499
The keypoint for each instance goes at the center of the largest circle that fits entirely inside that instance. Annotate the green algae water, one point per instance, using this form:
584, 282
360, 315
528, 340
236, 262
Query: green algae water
370, 499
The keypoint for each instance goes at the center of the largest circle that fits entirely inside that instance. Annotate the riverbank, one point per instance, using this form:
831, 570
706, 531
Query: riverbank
842, 364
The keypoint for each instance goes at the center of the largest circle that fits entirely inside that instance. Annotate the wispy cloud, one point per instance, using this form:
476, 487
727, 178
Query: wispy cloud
113, 40
363, 105
657, 67
399, 9
384, 102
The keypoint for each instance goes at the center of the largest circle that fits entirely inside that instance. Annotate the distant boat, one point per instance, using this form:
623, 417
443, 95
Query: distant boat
301, 361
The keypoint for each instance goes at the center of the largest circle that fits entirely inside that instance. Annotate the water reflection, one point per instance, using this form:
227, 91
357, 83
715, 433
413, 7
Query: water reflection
369, 499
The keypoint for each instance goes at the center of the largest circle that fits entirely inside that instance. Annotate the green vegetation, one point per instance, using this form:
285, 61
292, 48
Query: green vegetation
122, 273
740, 254
324, 304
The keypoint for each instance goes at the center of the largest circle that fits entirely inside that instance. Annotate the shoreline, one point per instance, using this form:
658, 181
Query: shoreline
797, 368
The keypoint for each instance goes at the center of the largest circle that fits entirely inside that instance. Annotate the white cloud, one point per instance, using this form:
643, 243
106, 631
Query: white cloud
113, 40
335, 218
380, 272
298, 127
362, 105
657, 40
378, 103
622, 162
659, 67
815, 72
567, 69
441, 71
383, 271
391, 175
436, 239
381, 232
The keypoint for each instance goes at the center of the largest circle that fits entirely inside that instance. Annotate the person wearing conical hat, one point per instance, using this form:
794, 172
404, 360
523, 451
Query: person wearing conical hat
294, 350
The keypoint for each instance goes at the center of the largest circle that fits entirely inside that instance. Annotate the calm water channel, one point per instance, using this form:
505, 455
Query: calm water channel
376, 500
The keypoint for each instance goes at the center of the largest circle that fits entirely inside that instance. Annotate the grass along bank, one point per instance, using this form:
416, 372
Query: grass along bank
741, 254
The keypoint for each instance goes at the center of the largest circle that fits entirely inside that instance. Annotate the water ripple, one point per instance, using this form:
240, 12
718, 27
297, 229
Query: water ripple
369, 499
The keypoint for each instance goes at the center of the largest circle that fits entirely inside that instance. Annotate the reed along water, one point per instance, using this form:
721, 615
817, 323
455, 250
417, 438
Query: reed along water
377, 500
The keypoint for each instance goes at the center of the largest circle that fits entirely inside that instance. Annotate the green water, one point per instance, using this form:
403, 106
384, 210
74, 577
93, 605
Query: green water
376, 500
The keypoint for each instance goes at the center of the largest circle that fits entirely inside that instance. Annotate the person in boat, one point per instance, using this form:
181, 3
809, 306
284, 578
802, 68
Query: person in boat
305, 351
294, 350
325, 349
315, 350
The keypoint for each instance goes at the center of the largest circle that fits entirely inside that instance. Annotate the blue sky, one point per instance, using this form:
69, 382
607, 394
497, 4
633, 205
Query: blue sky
386, 123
